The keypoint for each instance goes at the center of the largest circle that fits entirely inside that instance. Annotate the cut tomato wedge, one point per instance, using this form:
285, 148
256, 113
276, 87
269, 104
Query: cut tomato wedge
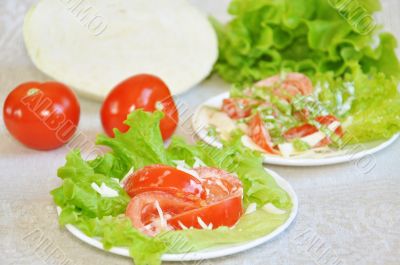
222, 213
329, 119
238, 108
292, 85
149, 212
164, 178
259, 134
218, 184
152, 210
308, 129
300, 131
224, 202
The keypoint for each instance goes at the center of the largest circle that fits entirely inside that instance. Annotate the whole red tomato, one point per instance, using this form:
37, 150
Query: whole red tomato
42, 116
145, 92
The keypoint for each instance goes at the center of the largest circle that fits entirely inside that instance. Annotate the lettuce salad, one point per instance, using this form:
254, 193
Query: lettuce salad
103, 216
348, 110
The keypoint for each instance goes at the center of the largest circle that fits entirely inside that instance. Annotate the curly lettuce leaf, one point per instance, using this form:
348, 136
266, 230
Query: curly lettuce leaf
140, 146
118, 231
99, 216
368, 105
250, 227
375, 113
77, 191
308, 36
259, 186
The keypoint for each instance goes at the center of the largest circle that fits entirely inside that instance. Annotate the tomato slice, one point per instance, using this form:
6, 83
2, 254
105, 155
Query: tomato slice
308, 129
259, 134
164, 209
327, 120
292, 85
238, 108
218, 184
223, 213
164, 178
300, 131
144, 210
224, 201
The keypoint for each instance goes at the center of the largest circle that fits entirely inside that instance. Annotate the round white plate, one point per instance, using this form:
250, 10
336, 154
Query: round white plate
349, 153
212, 252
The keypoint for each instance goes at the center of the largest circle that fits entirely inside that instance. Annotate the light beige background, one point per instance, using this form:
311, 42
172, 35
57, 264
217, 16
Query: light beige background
347, 215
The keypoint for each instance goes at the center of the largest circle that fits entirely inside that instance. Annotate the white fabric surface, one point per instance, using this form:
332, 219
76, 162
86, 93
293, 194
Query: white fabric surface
346, 215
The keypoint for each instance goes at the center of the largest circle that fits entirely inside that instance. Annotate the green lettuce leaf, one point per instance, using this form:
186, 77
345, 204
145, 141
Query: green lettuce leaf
259, 186
309, 36
140, 146
117, 231
77, 191
375, 113
250, 227
368, 105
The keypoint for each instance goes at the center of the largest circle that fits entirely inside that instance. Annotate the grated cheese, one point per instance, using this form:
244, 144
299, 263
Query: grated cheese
251, 208
104, 190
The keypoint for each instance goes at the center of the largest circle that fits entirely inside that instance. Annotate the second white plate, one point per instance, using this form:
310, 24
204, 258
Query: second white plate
349, 153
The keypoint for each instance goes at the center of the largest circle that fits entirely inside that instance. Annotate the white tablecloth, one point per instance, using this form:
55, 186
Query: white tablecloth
346, 216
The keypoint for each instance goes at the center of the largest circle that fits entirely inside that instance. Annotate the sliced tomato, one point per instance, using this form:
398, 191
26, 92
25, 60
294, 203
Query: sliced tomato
308, 129
223, 213
238, 108
327, 120
218, 184
153, 211
144, 213
164, 178
292, 85
259, 134
300, 131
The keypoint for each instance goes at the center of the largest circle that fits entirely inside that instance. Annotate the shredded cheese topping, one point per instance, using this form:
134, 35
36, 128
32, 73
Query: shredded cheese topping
104, 190
163, 222
251, 208
203, 224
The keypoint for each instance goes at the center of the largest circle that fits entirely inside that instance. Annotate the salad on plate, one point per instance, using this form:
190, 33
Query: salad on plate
143, 196
289, 115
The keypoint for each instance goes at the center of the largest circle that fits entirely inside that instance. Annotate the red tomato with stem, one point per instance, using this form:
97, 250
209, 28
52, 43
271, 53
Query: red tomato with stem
42, 116
145, 92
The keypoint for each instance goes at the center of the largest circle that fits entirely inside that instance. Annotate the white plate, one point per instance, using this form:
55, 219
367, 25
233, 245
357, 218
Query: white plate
349, 153
212, 252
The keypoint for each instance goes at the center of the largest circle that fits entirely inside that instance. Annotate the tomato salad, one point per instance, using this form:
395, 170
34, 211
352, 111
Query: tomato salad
166, 198
280, 116
144, 196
